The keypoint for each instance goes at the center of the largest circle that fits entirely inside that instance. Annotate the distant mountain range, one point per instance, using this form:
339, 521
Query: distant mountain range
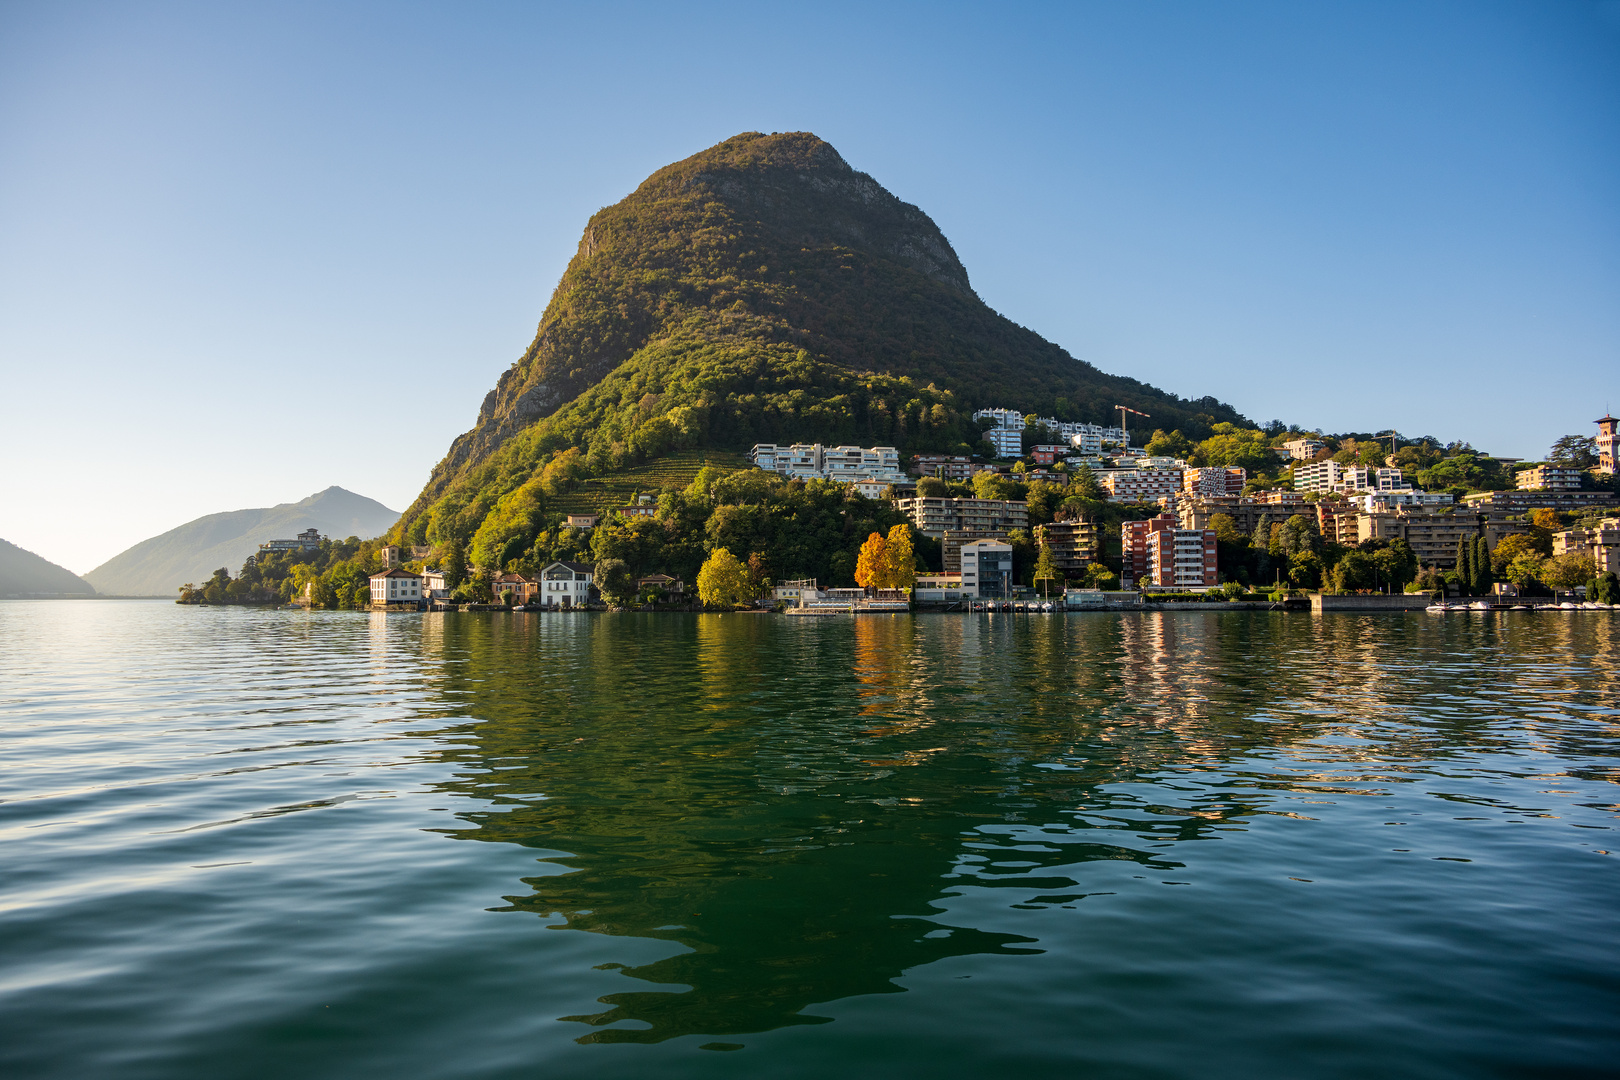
22, 573
192, 552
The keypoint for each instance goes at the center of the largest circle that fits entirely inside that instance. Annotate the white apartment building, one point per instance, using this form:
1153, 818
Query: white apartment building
1331, 476
987, 569
395, 587
1004, 418
566, 585
1085, 438
1009, 442
1377, 502
878, 465
1140, 485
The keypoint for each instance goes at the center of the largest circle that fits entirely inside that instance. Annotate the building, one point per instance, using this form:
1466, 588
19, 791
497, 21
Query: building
937, 588
1246, 512
1521, 502
1548, 478
390, 555
395, 589
583, 522
1303, 449
936, 517
433, 587
987, 569
1433, 537
943, 466
1331, 476
1139, 485
1213, 481
420, 551
1608, 443
813, 461
1158, 552
1008, 442
1601, 542
1004, 418
1376, 501
643, 507
566, 585
672, 586
522, 589
1047, 453
793, 591
1050, 477
308, 540
1074, 543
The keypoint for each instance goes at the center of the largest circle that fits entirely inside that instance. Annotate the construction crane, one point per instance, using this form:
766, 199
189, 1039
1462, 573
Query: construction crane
1393, 435
1122, 410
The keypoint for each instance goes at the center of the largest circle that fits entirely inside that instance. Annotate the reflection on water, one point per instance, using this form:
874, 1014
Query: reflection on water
792, 802
235, 843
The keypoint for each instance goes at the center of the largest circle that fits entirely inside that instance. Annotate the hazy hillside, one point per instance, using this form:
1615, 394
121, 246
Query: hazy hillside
192, 552
22, 573
763, 291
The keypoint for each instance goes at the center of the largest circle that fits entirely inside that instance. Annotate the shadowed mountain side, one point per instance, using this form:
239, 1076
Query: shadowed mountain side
193, 551
22, 573
794, 804
763, 291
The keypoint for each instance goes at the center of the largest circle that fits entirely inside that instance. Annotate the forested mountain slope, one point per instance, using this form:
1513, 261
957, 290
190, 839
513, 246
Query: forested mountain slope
762, 290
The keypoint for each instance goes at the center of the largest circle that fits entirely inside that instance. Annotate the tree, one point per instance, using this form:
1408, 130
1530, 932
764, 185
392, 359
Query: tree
1510, 548
1525, 570
614, 581
1569, 570
1356, 572
1045, 564
1397, 563
454, 564
1175, 445
900, 559
1605, 588
1479, 564
1574, 452
723, 579
992, 485
1085, 484
871, 565
1465, 574
932, 487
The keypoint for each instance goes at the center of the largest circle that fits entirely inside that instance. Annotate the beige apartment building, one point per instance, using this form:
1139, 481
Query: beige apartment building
1601, 542
1074, 545
986, 517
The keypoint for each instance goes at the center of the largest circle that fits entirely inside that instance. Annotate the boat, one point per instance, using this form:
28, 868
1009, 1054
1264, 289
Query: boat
1479, 605
1438, 609
1568, 606
815, 612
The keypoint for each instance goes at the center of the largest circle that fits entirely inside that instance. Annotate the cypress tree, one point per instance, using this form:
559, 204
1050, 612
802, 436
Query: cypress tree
1464, 578
1482, 564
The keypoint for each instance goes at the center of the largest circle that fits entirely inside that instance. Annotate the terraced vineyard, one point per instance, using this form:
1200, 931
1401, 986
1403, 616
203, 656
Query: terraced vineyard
602, 493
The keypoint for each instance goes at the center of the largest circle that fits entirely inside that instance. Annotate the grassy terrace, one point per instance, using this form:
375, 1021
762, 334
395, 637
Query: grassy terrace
601, 493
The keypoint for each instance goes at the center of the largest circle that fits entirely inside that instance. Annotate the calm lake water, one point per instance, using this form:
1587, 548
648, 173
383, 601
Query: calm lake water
240, 843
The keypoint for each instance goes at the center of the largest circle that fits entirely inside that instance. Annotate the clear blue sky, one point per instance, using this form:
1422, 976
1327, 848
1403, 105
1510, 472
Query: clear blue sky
227, 231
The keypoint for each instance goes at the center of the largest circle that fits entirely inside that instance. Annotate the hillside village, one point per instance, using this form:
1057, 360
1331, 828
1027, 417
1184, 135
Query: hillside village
1045, 510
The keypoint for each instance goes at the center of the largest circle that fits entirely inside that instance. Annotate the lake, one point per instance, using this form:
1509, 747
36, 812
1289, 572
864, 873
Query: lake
243, 843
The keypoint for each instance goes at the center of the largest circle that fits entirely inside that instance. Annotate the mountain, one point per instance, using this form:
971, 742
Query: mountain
22, 573
764, 291
192, 552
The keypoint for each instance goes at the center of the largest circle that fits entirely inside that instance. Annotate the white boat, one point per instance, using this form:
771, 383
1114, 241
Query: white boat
1479, 605
1437, 609
1568, 606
